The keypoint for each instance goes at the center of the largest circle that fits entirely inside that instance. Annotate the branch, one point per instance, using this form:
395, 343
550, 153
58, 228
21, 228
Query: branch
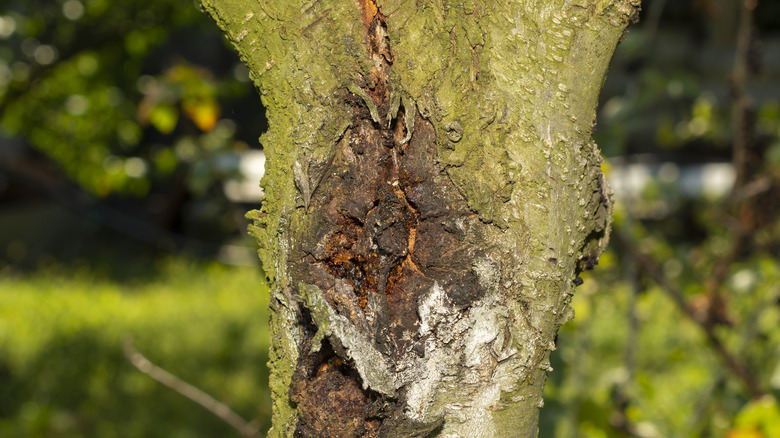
620, 419
742, 102
652, 268
221, 410
750, 334
743, 142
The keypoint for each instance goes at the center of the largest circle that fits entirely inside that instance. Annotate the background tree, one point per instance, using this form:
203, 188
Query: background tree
432, 194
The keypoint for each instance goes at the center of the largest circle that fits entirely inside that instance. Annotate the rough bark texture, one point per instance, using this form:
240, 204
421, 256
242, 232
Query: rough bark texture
431, 194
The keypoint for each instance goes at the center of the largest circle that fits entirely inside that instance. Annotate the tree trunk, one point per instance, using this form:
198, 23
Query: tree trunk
431, 193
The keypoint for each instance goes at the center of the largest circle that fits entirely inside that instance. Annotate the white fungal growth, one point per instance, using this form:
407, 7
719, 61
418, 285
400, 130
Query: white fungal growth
372, 365
432, 309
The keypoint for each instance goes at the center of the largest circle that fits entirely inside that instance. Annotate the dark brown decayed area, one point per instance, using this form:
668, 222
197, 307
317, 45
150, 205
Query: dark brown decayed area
330, 399
387, 224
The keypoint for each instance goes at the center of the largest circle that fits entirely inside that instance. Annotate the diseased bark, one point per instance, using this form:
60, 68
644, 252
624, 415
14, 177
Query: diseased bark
432, 193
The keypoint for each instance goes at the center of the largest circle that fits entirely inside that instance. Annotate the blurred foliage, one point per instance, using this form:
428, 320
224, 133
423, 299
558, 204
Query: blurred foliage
758, 418
670, 86
664, 378
62, 369
103, 90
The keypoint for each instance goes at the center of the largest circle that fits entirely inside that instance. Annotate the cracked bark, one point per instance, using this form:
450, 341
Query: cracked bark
432, 193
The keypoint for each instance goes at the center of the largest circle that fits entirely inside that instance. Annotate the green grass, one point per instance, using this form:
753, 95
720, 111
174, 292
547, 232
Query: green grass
62, 369
63, 374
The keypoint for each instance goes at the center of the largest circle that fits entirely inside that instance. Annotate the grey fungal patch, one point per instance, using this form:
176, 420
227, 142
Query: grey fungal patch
300, 174
368, 361
409, 113
433, 309
454, 131
487, 272
354, 89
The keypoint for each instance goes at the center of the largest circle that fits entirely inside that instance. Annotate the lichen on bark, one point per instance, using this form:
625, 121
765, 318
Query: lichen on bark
432, 193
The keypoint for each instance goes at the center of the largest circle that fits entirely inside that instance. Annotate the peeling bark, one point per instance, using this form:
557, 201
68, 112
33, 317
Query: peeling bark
431, 197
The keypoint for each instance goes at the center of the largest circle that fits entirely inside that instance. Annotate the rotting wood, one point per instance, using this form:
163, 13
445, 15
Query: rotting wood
390, 225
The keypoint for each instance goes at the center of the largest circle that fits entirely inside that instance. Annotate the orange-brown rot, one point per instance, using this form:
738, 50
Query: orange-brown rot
332, 362
370, 11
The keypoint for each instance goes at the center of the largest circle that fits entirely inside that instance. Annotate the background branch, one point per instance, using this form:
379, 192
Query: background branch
652, 268
221, 410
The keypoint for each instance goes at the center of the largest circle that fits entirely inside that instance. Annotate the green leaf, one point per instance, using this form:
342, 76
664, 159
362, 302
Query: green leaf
762, 414
164, 117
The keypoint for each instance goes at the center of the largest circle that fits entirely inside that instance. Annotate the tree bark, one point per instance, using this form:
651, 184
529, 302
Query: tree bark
431, 194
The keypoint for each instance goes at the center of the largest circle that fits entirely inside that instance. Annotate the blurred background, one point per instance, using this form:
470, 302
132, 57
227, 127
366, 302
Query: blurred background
129, 155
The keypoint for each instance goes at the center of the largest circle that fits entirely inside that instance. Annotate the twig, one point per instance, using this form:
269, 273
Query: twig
650, 25
748, 337
744, 137
221, 410
742, 100
742, 142
620, 419
653, 269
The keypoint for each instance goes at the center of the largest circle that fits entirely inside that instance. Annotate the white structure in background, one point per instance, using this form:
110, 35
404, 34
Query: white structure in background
710, 180
251, 164
628, 180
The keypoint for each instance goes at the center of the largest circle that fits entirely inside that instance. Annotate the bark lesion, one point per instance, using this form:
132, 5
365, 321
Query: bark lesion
387, 231
387, 227
415, 252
